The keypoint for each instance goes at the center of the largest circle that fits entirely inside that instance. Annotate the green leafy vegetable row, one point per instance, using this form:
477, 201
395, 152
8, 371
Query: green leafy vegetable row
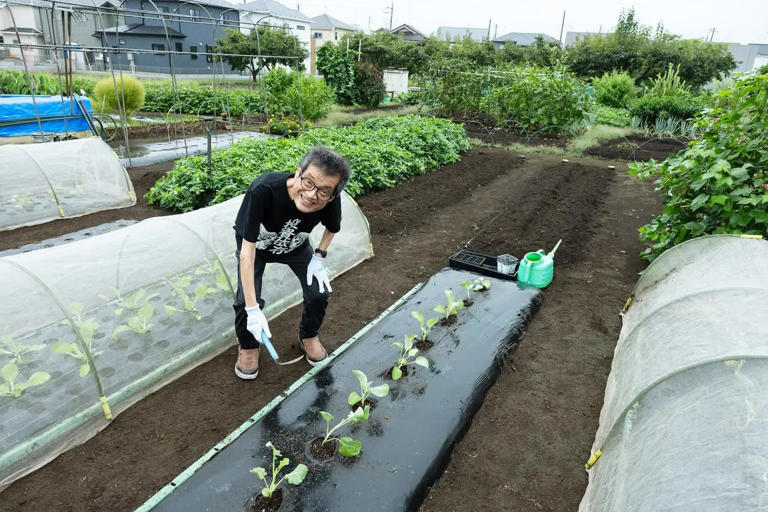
380, 151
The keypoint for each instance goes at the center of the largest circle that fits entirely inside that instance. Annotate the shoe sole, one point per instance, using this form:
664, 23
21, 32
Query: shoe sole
246, 376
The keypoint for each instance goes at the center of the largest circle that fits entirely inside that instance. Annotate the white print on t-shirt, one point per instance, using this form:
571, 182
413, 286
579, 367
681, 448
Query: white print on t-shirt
285, 242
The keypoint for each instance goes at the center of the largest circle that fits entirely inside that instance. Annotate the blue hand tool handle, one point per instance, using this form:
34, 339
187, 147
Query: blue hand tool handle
268, 344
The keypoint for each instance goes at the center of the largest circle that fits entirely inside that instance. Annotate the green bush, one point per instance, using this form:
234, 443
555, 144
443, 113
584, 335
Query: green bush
456, 87
718, 185
537, 98
381, 153
275, 83
611, 116
202, 100
315, 100
681, 106
338, 70
130, 91
667, 84
369, 84
615, 89
15, 82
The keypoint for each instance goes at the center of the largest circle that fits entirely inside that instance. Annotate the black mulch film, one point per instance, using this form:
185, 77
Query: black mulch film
408, 439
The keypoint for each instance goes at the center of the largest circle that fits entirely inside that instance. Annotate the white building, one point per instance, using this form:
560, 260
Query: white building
277, 15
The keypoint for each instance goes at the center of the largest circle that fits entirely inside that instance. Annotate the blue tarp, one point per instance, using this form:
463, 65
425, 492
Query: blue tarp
20, 108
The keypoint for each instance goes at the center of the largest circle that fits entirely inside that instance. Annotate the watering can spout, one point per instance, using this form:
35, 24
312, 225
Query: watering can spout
552, 252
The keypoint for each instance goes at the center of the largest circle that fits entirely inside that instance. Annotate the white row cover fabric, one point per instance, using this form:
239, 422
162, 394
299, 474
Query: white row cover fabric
52, 180
685, 416
140, 306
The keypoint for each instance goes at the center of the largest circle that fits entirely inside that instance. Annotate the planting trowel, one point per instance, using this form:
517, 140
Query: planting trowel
272, 352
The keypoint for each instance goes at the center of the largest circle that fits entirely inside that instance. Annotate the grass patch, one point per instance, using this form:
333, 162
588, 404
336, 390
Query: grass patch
595, 134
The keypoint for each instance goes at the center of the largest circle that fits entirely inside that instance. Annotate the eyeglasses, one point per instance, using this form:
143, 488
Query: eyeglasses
307, 184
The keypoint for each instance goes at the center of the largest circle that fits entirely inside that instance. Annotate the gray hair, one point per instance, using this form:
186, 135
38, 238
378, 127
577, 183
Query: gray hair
328, 161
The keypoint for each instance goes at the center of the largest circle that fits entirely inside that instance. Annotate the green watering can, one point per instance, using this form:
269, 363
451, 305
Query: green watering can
537, 268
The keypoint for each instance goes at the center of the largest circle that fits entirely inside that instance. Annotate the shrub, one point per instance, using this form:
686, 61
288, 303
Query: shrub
681, 106
667, 84
275, 84
315, 100
615, 89
537, 98
338, 70
718, 185
202, 100
611, 116
369, 84
284, 126
130, 91
381, 152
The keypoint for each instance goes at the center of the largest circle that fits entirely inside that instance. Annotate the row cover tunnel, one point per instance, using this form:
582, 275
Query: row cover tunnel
685, 417
52, 180
121, 314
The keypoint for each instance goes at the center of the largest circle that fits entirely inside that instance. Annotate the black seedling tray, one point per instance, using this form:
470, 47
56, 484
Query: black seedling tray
480, 263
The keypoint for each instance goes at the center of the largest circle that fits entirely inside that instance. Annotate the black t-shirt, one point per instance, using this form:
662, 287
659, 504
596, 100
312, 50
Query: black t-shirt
269, 218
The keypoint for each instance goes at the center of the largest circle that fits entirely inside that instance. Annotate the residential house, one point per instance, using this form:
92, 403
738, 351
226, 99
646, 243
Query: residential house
21, 23
176, 25
574, 37
276, 14
408, 33
327, 29
454, 34
520, 39
749, 57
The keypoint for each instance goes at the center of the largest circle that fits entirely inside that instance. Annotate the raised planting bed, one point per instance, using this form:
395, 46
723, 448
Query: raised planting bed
410, 431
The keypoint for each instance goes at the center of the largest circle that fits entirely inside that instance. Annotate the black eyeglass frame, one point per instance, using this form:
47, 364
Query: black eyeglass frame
332, 195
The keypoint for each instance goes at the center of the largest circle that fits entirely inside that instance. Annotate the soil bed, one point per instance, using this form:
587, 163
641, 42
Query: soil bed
637, 147
483, 127
528, 443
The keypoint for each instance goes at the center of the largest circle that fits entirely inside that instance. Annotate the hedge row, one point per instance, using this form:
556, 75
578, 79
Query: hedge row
380, 151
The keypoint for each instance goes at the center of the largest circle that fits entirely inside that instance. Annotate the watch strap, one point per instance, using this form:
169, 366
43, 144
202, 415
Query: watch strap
321, 252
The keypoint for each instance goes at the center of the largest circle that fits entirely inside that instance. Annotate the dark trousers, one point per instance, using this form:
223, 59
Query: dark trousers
314, 302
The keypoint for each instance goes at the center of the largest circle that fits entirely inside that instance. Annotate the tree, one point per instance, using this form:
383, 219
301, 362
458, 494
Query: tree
245, 50
643, 54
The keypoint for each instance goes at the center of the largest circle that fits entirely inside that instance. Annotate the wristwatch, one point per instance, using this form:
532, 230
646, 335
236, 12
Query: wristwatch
321, 252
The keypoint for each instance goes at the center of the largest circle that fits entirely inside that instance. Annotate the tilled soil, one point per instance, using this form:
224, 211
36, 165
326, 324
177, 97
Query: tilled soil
527, 445
638, 147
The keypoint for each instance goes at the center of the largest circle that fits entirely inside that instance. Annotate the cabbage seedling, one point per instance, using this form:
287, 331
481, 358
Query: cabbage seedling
481, 285
467, 285
10, 371
16, 350
138, 323
425, 326
366, 389
407, 352
190, 305
87, 329
347, 446
295, 477
451, 308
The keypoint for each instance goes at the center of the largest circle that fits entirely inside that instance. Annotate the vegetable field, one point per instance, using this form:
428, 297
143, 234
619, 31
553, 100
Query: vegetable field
539, 418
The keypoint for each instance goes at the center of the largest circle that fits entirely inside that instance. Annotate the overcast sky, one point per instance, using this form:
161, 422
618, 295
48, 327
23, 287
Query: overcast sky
734, 21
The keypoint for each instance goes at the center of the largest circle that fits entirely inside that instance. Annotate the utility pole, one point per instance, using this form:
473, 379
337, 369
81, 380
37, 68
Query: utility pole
489, 30
562, 26
712, 35
391, 9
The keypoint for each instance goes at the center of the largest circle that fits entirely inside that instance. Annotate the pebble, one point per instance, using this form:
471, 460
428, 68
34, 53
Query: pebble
611, 166
565, 160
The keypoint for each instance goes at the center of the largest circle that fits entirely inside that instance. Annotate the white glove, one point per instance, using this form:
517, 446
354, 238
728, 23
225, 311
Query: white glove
257, 323
316, 268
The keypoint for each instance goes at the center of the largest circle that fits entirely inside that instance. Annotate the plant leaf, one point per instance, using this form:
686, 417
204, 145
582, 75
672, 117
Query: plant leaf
380, 391
37, 378
76, 308
120, 328
260, 472
396, 373
361, 378
145, 313
353, 398
418, 316
298, 474
421, 361
9, 372
326, 416
283, 462
431, 322
349, 447
84, 370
